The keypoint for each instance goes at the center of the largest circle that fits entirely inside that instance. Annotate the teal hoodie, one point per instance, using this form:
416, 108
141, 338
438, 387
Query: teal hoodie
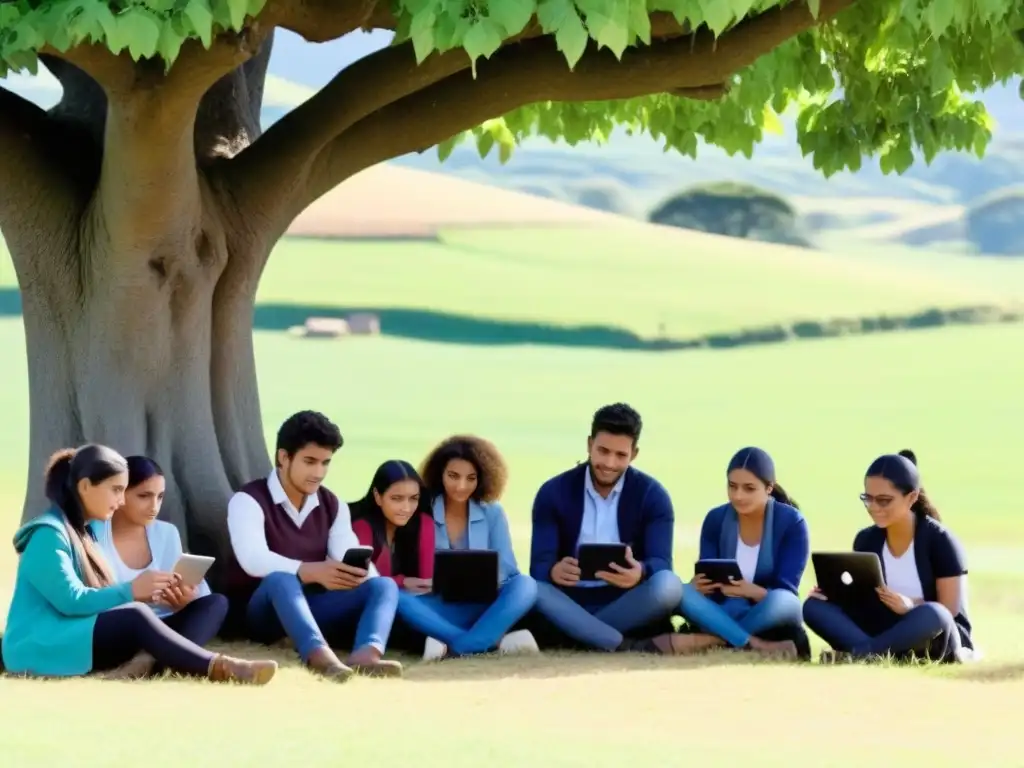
52, 614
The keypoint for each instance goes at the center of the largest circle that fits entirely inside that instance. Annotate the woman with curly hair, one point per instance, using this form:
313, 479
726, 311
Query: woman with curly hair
465, 477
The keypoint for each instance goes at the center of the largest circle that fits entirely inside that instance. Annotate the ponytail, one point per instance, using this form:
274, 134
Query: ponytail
780, 495
923, 507
62, 491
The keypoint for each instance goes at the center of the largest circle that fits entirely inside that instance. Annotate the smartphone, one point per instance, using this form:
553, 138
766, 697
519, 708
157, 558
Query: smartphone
358, 557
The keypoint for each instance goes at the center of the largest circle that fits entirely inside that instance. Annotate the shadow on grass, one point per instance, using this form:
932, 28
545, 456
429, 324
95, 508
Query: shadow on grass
994, 673
449, 328
547, 665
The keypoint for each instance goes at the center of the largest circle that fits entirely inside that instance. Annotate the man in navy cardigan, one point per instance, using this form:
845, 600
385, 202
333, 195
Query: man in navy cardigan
605, 501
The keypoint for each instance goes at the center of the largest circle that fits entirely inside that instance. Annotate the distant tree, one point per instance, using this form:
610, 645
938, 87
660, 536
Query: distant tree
602, 196
140, 211
995, 224
736, 210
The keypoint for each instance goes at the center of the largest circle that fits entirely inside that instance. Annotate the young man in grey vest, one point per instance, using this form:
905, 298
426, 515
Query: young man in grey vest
288, 536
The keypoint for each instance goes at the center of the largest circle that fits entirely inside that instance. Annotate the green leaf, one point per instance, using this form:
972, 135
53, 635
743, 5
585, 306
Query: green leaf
422, 33
485, 143
939, 14
815, 7
571, 38
445, 148
200, 17
141, 30
512, 15
608, 22
169, 45
482, 40
552, 14
640, 20
717, 15
237, 11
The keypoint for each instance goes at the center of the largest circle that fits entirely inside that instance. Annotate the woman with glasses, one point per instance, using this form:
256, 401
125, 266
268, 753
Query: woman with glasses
922, 608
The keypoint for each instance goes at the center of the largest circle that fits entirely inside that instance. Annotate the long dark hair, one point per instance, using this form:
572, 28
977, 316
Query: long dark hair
407, 537
141, 469
901, 470
65, 470
757, 462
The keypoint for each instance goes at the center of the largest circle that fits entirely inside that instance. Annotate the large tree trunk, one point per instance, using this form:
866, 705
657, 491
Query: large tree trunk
151, 355
138, 278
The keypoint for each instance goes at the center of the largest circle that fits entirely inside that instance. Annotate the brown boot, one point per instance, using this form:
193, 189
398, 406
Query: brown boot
325, 663
367, 661
226, 669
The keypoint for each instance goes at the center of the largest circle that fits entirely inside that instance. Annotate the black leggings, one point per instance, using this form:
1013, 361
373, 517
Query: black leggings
200, 620
127, 630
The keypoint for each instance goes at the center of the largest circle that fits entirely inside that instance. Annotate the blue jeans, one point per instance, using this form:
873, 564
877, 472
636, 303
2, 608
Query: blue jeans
281, 606
468, 628
587, 618
736, 618
926, 629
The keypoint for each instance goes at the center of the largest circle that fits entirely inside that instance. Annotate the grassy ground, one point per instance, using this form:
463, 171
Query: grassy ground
823, 408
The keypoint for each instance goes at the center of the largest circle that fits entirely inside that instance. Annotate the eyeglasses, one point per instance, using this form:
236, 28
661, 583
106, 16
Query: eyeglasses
878, 501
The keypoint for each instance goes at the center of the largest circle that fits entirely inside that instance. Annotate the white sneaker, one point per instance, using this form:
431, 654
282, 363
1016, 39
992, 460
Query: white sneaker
521, 641
434, 650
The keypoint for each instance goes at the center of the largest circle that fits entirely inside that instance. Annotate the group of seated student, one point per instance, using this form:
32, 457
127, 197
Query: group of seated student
96, 590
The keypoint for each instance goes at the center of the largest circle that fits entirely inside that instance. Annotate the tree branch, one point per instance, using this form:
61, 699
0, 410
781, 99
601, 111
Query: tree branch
321, 20
533, 71
284, 156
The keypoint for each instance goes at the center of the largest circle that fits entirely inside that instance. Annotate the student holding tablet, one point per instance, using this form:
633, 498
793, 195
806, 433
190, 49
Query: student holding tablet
69, 616
606, 502
922, 608
134, 541
464, 477
753, 552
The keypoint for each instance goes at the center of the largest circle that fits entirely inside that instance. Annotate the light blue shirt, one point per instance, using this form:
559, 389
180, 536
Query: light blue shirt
165, 547
600, 519
487, 529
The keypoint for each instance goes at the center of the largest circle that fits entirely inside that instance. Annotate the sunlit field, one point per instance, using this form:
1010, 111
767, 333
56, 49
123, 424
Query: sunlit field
824, 409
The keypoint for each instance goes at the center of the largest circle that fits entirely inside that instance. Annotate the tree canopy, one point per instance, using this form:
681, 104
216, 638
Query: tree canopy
887, 77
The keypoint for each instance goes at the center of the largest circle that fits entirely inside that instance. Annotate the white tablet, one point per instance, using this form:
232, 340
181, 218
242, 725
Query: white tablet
193, 568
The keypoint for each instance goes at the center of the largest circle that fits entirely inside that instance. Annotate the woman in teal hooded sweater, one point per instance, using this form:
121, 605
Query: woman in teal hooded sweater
68, 617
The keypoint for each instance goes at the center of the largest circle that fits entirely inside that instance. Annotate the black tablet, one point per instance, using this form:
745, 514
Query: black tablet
466, 575
848, 579
719, 571
599, 557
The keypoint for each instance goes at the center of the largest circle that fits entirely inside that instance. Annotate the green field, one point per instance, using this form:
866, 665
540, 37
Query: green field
824, 409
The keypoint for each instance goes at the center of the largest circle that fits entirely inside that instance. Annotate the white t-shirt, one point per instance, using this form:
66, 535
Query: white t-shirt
901, 573
746, 557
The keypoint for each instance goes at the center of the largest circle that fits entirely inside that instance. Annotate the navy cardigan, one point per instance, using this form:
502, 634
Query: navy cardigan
937, 555
646, 521
785, 545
